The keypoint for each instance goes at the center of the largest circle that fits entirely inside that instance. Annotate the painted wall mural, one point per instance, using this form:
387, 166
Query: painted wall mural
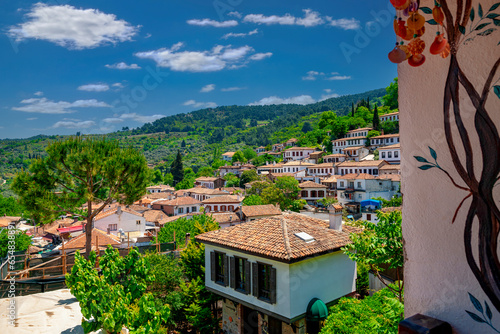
456, 28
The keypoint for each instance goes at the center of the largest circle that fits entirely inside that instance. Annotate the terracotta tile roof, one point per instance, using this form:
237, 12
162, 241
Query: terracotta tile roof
185, 200
204, 191
114, 211
311, 184
154, 215
390, 114
331, 179
296, 148
104, 239
317, 153
157, 196
360, 129
274, 237
364, 163
390, 167
385, 136
298, 163
260, 210
161, 187
230, 190
225, 217
292, 140
353, 148
229, 154
230, 167
223, 199
337, 155
361, 176
174, 218
206, 179
6, 220
248, 166
390, 147
392, 177
52, 227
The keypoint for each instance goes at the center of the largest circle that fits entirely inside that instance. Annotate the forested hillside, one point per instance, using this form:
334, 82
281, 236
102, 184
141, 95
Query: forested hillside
201, 136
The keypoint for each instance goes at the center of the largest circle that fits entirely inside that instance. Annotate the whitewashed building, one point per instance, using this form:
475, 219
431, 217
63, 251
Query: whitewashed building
391, 153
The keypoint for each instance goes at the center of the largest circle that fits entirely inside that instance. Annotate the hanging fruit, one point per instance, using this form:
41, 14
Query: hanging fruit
402, 31
416, 21
446, 51
416, 60
420, 32
416, 46
397, 55
405, 50
438, 14
439, 44
400, 4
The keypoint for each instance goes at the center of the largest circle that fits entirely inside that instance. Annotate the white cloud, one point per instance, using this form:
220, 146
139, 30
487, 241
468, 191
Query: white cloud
242, 34
117, 86
132, 116
346, 24
31, 118
312, 75
339, 77
310, 19
45, 106
207, 88
232, 89
302, 99
235, 14
38, 94
113, 120
94, 87
212, 23
194, 104
219, 58
123, 66
328, 95
260, 56
74, 125
72, 28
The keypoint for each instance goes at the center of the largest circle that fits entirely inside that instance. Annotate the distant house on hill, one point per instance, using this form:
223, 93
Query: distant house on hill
178, 206
228, 156
227, 203
312, 191
391, 153
291, 142
161, 188
297, 153
210, 182
394, 116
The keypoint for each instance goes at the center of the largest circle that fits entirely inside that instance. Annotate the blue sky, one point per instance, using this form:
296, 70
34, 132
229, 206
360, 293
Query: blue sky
98, 66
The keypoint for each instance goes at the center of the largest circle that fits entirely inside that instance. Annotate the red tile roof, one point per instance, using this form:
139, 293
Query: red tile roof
103, 239
223, 199
361, 176
311, 184
185, 200
260, 210
275, 237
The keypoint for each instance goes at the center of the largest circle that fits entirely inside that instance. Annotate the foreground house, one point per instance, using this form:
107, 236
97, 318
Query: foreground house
121, 219
100, 241
277, 274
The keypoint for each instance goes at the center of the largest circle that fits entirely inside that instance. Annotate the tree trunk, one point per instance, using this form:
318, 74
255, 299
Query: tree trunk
88, 230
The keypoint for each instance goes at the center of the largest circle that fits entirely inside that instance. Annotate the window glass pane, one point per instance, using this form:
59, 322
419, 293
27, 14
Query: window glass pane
264, 281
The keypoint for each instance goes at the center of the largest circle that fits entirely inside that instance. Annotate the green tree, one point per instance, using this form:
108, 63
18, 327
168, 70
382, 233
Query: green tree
81, 171
306, 127
249, 154
376, 119
205, 171
380, 313
183, 143
380, 246
253, 200
177, 169
9, 206
238, 157
21, 241
395, 201
231, 180
391, 98
248, 176
157, 177
168, 179
284, 192
118, 296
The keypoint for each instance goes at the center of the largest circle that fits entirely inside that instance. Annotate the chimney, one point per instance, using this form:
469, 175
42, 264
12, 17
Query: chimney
109, 231
335, 215
119, 210
382, 133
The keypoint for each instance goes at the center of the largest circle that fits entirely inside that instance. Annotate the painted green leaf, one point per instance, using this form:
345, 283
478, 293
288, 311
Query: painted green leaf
495, 6
487, 32
476, 303
488, 310
426, 167
433, 153
472, 14
421, 159
496, 89
497, 22
475, 317
462, 29
426, 10
480, 11
492, 16
432, 22
481, 26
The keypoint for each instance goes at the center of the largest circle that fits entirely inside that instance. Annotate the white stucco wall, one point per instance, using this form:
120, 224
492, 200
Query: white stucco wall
438, 278
125, 221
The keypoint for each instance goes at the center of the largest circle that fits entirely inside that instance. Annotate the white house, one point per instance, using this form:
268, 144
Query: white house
122, 219
394, 116
226, 203
335, 158
367, 166
161, 188
324, 169
277, 274
356, 153
297, 153
360, 187
391, 153
260, 149
178, 206
291, 167
361, 132
384, 140
228, 156
210, 182
312, 191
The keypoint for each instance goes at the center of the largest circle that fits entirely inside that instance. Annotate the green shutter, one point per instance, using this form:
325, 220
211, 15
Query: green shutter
255, 279
212, 266
225, 258
248, 277
233, 272
272, 286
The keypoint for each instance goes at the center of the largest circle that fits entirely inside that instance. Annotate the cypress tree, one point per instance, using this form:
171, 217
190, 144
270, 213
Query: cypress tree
177, 169
376, 120
352, 110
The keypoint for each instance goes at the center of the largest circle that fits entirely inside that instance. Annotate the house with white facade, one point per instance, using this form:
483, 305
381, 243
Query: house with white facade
228, 156
226, 203
392, 117
272, 272
391, 153
210, 182
360, 187
297, 153
178, 206
122, 219
361, 132
291, 167
339, 145
335, 158
322, 170
384, 140
202, 193
390, 169
356, 153
260, 149
291, 142
331, 185
161, 188
311, 192
367, 166
223, 170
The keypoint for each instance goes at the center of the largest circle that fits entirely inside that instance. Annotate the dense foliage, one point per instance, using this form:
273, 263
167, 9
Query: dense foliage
21, 241
9, 206
380, 313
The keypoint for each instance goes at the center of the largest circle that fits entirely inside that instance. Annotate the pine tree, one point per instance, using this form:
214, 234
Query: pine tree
376, 120
183, 144
177, 169
352, 110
